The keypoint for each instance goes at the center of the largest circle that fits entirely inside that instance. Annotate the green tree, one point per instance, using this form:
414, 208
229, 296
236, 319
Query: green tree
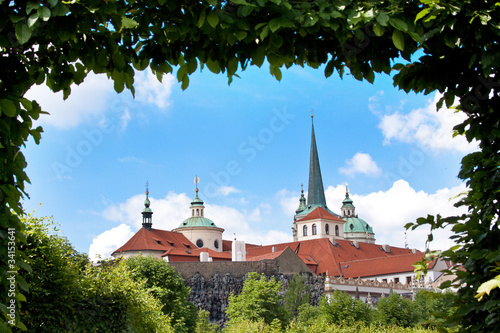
67, 294
296, 294
341, 308
203, 324
450, 46
433, 308
396, 310
259, 300
168, 287
54, 277
308, 314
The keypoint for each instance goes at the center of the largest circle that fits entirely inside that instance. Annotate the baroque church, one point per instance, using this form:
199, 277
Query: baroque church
339, 246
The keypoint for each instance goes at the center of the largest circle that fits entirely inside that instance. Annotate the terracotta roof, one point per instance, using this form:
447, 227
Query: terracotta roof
380, 266
320, 213
325, 257
156, 240
196, 253
271, 255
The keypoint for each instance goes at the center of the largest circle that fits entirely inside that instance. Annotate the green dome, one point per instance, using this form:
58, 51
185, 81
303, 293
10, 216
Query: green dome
355, 224
197, 221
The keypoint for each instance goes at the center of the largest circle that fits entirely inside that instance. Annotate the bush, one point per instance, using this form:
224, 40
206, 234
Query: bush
259, 301
342, 308
168, 287
396, 310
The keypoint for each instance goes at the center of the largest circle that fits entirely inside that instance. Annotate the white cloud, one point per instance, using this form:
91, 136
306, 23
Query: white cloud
103, 245
425, 126
86, 102
388, 211
170, 211
226, 190
149, 90
361, 163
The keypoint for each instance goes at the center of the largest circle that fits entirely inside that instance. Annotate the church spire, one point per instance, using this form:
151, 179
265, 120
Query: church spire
316, 193
302, 201
147, 213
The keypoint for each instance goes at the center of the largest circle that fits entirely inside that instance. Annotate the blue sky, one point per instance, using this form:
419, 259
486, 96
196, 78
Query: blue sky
249, 144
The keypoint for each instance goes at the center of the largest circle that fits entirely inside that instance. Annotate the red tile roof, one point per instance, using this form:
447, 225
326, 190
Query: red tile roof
380, 266
320, 213
325, 257
156, 240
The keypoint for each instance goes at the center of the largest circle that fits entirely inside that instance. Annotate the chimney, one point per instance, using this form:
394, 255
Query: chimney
204, 257
356, 244
238, 251
387, 248
413, 251
333, 241
274, 248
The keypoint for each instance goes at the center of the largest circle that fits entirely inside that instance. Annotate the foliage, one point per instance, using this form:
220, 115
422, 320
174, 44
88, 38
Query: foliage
67, 294
325, 327
308, 314
242, 325
450, 46
203, 324
432, 308
168, 287
259, 300
115, 302
396, 310
342, 308
54, 277
296, 294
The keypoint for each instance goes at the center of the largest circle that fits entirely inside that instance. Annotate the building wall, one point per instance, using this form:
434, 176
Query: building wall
320, 229
207, 234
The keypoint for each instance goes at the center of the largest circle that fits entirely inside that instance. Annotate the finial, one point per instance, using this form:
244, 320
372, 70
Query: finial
147, 187
312, 113
196, 182
302, 188
346, 188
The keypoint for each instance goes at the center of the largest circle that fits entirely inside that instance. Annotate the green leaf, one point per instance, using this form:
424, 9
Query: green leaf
422, 13
129, 23
213, 19
382, 19
213, 66
241, 35
23, 32
399, 24
8, 108
44, 13
378, 30
398, 40
32, 20
30, 6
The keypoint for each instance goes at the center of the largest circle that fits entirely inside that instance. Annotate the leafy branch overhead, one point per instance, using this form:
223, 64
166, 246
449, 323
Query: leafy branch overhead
449, 46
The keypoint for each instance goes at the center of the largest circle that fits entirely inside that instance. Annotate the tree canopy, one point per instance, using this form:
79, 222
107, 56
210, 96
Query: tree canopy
449, 46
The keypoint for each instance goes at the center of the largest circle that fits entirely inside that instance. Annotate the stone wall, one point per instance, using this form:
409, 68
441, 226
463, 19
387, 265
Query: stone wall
212, 294
211, 283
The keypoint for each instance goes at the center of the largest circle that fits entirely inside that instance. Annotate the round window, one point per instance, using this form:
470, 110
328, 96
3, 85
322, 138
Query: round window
216, 244
199, 243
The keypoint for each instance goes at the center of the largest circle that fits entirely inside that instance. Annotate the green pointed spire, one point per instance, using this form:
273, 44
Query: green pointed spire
316, 193
302, 201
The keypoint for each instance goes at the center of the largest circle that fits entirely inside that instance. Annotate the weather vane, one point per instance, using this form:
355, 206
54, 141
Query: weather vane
196, 182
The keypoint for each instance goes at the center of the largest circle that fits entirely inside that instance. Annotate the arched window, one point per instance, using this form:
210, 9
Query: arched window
197, 212
336, 230
314, 229
304, 231
327, 229
192, 212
